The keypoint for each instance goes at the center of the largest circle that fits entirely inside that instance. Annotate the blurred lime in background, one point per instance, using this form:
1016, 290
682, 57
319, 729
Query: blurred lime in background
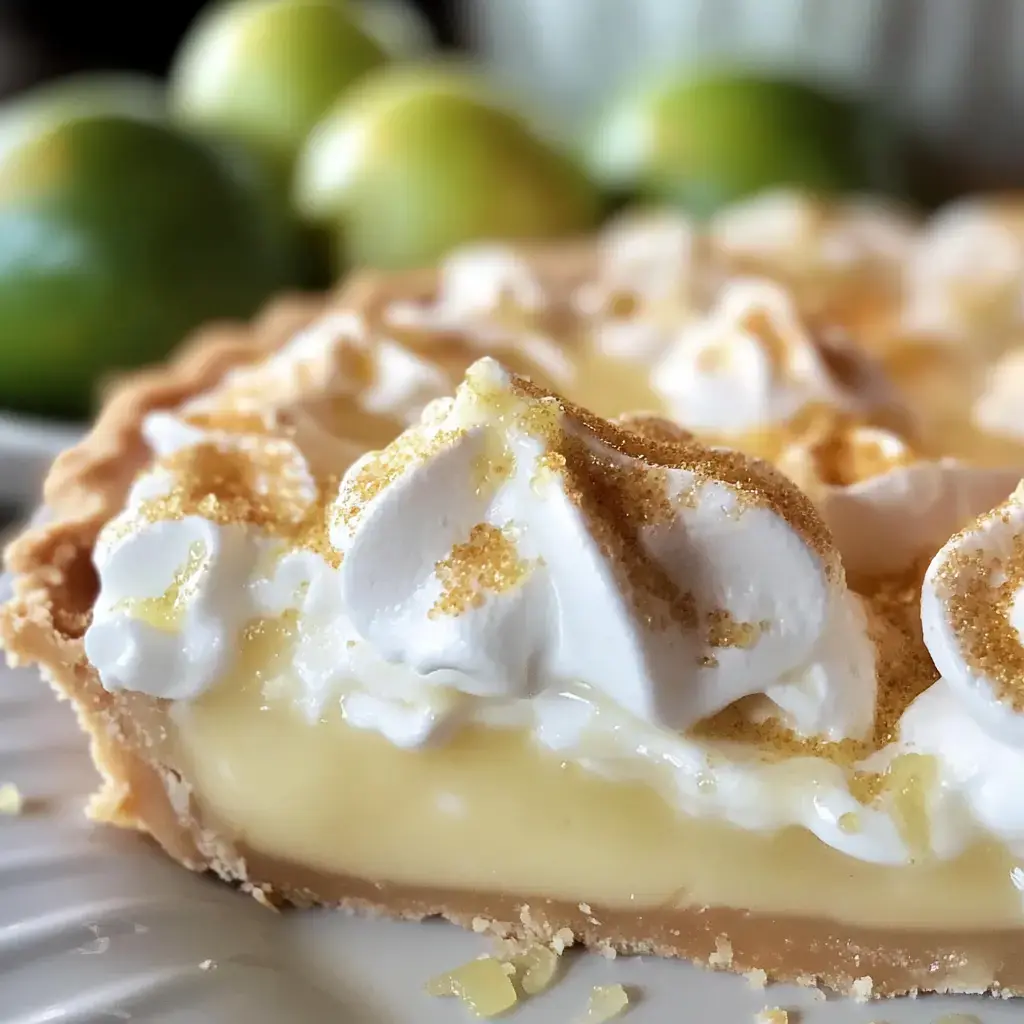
414, 161
118, 235
265, 71
398, 26
707, 139
300, 138
258, 74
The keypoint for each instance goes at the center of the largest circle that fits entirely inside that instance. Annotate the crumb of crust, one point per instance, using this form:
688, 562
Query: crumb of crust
263, 898
862, 989
536, 969
11, 800
722, 956
607, 950
606, 1002
207, 965
756, 978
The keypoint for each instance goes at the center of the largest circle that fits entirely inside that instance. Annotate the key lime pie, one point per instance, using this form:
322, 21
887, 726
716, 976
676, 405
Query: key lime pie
662, 591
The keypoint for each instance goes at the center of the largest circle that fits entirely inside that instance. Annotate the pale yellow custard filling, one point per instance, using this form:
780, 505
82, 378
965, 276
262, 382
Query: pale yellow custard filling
490, 811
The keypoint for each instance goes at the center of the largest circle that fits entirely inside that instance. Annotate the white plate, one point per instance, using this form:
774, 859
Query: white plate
27, 447
96, 926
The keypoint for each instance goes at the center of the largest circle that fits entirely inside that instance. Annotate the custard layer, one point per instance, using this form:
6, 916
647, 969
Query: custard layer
491, 812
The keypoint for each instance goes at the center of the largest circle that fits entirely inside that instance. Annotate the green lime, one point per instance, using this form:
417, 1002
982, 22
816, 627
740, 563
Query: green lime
398, 26
118, 235
707, 140
415, 161
265, 71
135, 96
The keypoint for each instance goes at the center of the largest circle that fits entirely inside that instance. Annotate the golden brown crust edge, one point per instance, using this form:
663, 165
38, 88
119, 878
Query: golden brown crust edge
44, 623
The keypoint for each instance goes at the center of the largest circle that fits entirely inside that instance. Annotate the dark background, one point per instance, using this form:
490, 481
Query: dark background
43, 38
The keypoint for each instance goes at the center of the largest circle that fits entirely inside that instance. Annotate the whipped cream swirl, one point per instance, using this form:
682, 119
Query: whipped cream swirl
795, 234
523, 546
644, 289
750, 365
965, 278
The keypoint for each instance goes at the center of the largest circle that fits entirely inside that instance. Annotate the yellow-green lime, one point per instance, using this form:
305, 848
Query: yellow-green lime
417, 160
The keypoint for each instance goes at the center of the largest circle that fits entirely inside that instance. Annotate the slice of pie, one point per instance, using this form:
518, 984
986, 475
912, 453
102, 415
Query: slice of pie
476, 593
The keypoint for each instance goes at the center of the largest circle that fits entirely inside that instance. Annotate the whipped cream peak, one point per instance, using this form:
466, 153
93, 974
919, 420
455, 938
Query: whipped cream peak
337, 372
796, 233
750, 365
965, 277
478, 284
524, 546
887, 523
644, 287
490, 299
997, 409
839, 452
972, 613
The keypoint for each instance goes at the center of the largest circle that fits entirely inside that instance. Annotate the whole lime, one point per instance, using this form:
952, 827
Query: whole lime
415, 161
705, 140
265, 71
117, 236
398, 26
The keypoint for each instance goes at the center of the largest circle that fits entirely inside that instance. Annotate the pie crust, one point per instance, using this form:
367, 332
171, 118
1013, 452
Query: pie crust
55, 586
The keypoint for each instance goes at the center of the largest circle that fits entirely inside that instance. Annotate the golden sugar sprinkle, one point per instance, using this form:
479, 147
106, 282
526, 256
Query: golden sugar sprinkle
905, 670
844, 452
725, 631
754, 481
259, 482
981, 591
380, 469
487, 563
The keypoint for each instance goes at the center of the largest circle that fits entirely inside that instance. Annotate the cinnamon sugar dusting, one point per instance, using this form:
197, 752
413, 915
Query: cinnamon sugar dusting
487, 562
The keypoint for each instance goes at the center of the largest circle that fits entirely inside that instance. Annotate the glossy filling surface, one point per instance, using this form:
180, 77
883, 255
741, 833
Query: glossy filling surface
491, 812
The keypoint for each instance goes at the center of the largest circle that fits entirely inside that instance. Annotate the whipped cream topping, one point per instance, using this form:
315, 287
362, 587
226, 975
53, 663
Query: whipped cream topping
997, 409
338, 359
174, 592
965, 277
795, 234
644, 288
705, 591
489, 297
886, 522
839, 454
972, 613
750, 365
